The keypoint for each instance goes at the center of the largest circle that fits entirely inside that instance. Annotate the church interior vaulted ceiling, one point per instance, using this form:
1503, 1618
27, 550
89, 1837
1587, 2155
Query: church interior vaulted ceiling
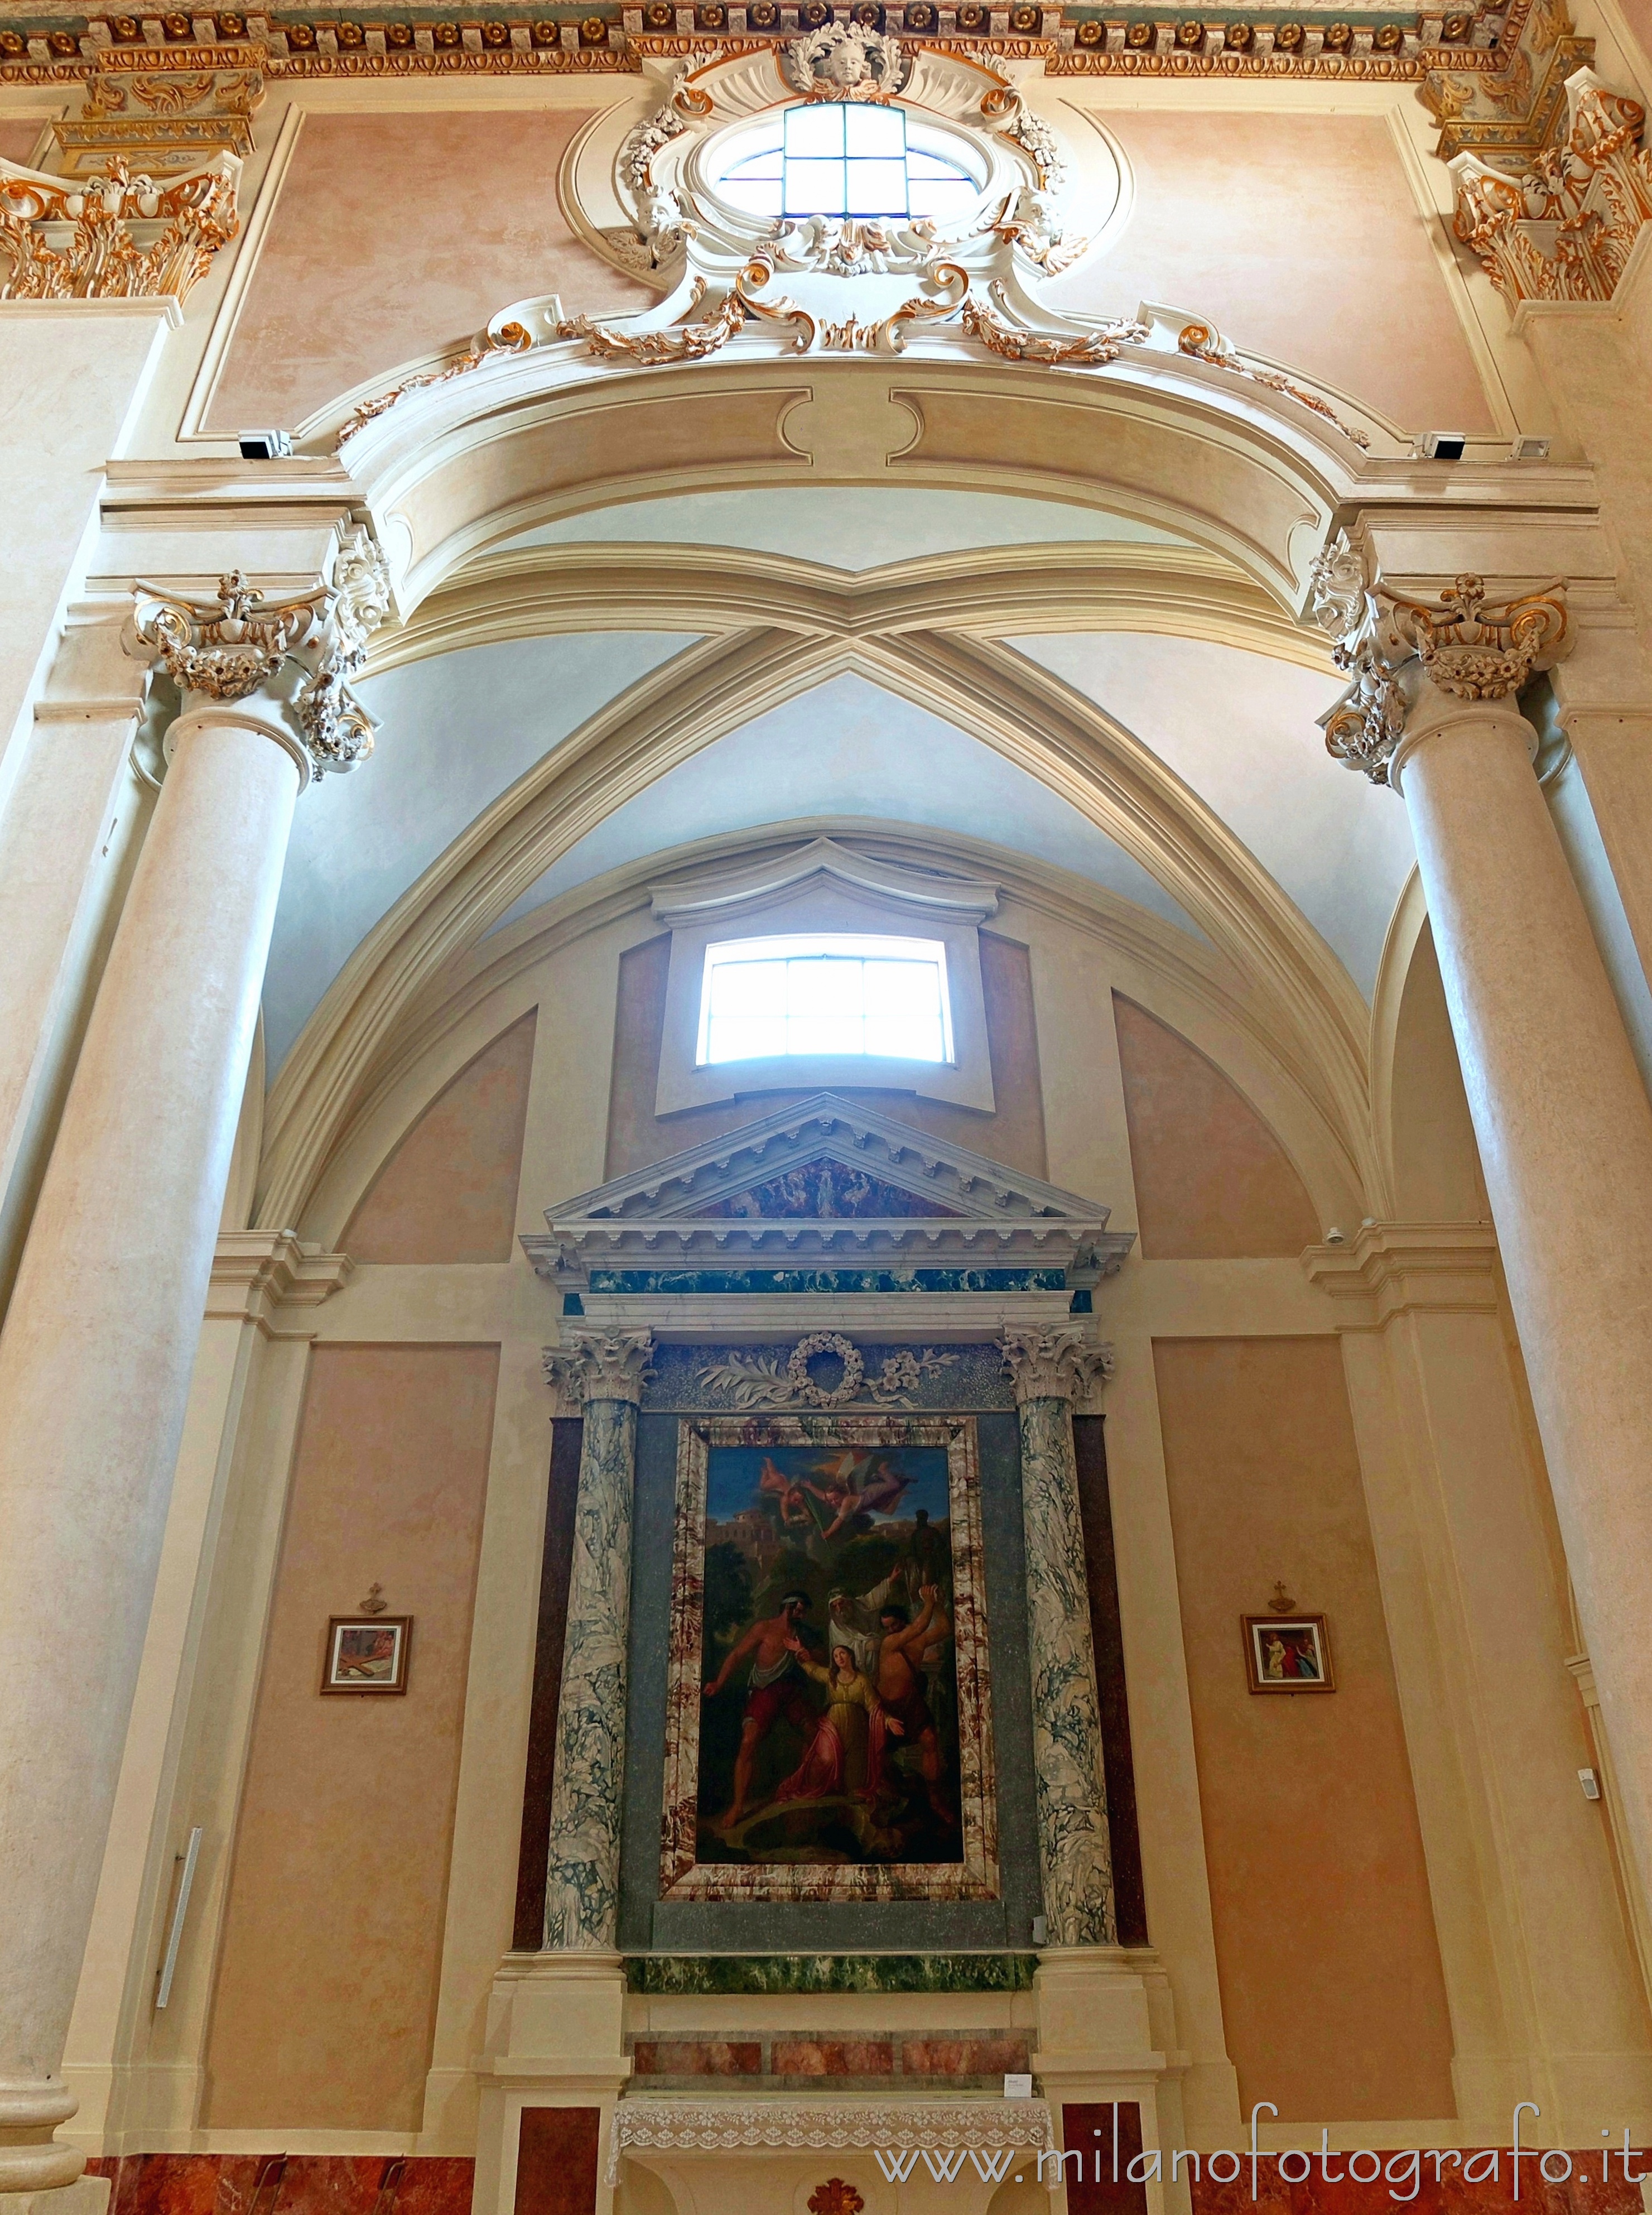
824, 1068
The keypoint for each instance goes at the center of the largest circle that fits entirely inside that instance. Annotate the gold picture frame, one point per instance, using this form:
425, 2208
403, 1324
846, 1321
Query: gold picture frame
1287, 1654
367, 1653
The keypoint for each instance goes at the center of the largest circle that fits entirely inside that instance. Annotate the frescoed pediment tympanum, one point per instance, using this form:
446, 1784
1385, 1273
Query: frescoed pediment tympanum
826, 1184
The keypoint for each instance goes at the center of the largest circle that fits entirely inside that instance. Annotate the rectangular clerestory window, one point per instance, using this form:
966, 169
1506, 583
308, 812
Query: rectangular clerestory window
763, 997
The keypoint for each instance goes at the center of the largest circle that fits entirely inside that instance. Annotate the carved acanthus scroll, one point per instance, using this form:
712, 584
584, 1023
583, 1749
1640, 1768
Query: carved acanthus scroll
1390, 644
1564, 230
128, 237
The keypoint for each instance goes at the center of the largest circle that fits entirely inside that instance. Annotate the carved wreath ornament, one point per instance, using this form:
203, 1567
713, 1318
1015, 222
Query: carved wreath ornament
845, 61
758, 1380
806, 1350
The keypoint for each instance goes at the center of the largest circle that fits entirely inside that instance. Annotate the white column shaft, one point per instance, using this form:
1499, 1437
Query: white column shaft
1565, 1138
96, 1354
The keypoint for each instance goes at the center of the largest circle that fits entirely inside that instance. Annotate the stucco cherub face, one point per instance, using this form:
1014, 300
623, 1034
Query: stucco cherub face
846, 64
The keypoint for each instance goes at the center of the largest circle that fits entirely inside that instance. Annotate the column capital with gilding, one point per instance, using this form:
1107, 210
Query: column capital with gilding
1055, 1365
601, 1365
1413, 663
279, 664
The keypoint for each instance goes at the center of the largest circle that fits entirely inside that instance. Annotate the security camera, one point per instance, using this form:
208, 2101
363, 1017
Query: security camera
264, 445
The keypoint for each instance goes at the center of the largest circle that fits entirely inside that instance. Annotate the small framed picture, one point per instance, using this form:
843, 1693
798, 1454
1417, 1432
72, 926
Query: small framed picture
367, 1653
1287, 1654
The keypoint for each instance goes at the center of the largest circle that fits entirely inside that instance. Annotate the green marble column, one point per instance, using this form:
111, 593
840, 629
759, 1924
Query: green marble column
606, 1370
1049, 1369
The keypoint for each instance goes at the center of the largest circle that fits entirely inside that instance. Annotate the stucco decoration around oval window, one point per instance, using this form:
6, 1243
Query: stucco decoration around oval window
841, 154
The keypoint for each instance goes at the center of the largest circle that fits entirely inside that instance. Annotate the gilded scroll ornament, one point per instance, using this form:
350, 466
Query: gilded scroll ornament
510, 338
129, 238
1564, 230
1479, 653
1204, 344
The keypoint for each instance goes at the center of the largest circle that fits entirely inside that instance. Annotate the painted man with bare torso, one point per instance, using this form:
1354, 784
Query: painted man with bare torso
774, 1687
901, 1688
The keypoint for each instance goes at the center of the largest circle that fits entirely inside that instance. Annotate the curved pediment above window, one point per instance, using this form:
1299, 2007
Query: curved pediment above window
824, 966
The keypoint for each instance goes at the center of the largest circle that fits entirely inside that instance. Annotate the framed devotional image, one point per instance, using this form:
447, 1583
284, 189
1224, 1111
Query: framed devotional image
828, 1725
367, 1653
1287, 1654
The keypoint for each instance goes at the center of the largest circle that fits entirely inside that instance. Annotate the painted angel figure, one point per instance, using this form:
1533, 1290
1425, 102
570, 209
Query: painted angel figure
859, 1484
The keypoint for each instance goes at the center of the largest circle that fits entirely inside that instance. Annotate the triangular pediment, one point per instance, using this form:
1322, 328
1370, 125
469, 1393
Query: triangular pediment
931, 1176
827, 1177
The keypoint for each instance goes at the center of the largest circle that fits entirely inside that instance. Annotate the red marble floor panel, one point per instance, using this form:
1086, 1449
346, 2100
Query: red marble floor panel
690, 2057
276, 2184
556, 2161
435, 2186
963, 2056
1468, 2184
831, 2057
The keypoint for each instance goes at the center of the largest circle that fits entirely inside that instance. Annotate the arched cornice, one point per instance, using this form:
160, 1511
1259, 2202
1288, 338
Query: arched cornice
997, 695
1190, 984
1245, 472
532, 591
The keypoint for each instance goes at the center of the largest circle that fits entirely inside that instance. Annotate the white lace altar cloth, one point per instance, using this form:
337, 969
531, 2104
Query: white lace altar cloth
939, 2126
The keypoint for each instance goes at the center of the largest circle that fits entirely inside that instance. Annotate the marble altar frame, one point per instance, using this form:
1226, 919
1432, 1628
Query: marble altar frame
683, 1876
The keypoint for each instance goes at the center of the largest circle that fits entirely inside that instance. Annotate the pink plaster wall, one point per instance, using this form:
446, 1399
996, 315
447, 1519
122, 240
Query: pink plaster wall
325, 2003
19, 143
1299, 238
396, 235
1638, 14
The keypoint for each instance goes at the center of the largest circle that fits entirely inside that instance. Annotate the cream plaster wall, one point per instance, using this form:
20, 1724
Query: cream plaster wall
20, 142
1320, 226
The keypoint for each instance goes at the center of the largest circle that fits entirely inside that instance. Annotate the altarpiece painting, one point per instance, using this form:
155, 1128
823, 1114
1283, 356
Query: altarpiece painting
828, 1729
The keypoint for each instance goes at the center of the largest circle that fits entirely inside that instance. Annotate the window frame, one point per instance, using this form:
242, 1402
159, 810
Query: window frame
804, 946
820, 891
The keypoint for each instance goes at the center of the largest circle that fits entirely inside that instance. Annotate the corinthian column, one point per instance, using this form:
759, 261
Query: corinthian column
101, 1335
606, 1369
1563, 1120
1049, 1369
